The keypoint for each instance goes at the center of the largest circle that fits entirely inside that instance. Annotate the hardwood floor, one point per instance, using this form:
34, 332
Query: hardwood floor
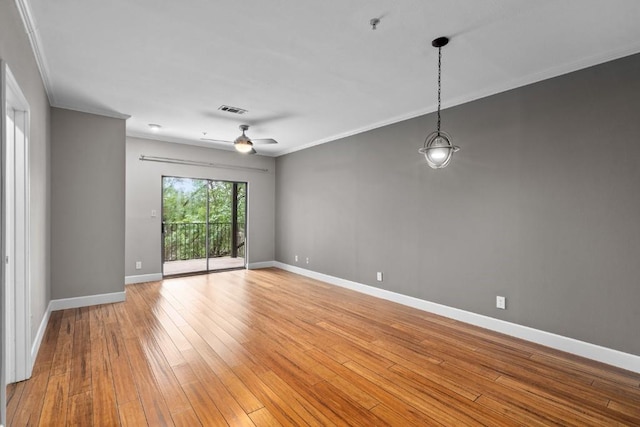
268, 348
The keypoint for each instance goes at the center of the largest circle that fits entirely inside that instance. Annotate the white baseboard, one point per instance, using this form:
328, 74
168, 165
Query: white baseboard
154, 277
35, 346
65, 303
606, 355
258, 265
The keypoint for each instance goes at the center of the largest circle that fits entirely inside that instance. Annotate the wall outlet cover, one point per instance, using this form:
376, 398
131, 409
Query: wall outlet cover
501, 303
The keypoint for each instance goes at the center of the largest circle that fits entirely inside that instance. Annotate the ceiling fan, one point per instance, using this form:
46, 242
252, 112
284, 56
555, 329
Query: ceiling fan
243, 143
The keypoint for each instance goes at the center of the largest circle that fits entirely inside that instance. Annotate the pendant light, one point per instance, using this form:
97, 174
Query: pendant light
437, 148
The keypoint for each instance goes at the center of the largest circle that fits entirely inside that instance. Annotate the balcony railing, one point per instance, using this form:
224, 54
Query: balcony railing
183, 241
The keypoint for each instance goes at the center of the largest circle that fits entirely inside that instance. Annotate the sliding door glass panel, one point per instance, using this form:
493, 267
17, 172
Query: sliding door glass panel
184, 225
204, 225
227, 202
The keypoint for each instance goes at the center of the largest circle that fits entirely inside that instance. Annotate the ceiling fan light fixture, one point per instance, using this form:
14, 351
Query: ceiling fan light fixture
437, 148
242, 143
243, 146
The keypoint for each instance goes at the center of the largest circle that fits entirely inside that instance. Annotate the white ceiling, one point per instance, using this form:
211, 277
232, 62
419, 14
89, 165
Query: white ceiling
307, 71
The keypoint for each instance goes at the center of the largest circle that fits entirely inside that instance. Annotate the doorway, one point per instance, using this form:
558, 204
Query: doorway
16, 317
203, 225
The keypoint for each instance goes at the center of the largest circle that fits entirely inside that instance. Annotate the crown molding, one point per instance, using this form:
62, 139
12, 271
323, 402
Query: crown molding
24, 8
529, 79
91, 110
185, 141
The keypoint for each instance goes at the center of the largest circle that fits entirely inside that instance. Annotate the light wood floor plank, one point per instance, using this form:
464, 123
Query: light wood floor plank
14, 393
270, 348
205, 409
227, 405
132, 414
32, 400
186, 418
216, 367
154, 405
263, 418
80, 412
54, 409
281, 407
125, 388
61, 363
81, 357
105, 411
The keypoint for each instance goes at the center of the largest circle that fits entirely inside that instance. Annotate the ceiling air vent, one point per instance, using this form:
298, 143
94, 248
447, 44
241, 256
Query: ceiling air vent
234, 110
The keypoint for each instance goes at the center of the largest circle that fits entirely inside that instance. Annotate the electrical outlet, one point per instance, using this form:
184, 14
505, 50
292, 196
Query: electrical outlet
296, 258
154, 213
138, 265
379, 276
307, 260
501, 303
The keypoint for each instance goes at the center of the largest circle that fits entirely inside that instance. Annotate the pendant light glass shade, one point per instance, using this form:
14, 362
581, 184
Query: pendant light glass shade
437, 148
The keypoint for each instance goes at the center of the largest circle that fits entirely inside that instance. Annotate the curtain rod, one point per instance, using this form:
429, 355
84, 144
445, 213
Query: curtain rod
197, 163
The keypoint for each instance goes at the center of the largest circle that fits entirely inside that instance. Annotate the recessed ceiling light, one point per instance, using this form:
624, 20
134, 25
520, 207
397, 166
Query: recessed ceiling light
154, 127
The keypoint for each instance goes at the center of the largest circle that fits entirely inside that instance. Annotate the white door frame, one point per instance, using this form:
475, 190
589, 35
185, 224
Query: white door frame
17, 363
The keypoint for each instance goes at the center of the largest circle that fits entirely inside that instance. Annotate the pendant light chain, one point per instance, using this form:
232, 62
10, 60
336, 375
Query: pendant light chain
439, 84
437, 148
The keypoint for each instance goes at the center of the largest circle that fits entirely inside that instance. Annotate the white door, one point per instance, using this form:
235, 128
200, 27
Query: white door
15, 230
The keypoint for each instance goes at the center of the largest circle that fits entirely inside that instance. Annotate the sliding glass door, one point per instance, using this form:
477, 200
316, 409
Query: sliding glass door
203, 225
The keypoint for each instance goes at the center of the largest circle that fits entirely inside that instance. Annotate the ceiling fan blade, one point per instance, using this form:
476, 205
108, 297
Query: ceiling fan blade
216, 140
264, 141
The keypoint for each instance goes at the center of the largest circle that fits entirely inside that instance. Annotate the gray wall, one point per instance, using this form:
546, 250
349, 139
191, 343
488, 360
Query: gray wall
144, 194
87, 204
541, 205
16, 51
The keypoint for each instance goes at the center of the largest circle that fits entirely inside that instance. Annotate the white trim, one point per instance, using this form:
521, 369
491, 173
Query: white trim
500, 87
65, 303
36, 45
179, 140
142, 278
31, 28
3, 286
259, 265
16, 186
35, 347
606, 355
91, 110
